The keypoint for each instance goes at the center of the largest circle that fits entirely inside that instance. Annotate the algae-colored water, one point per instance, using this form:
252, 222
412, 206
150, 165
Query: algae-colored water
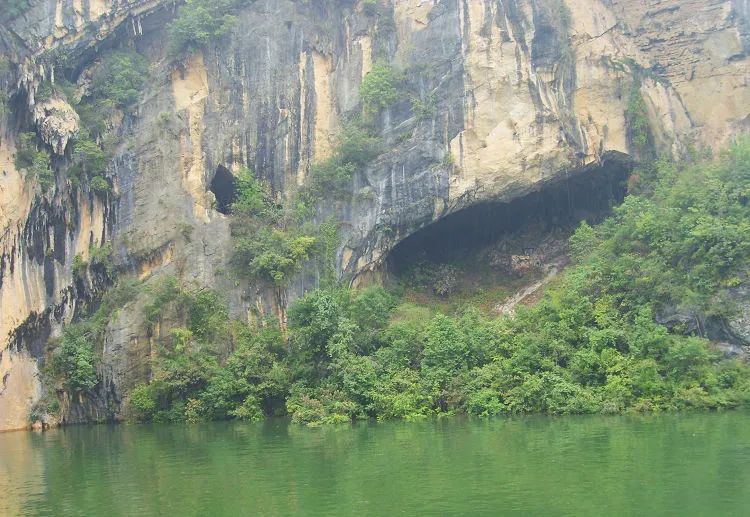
686, 464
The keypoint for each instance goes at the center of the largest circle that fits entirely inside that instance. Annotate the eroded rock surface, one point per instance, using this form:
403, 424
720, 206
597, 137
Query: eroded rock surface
514, 94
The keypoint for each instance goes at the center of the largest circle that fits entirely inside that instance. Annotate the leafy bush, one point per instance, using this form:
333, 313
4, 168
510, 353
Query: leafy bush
142, 402
79, 267
679, 243
190, 383
74, 360
99, 185
34, 162
198, 22
274, 254
591, 345
379, 88
119, 78
639, 127
101, 258
45, 406
252, 199
355, 149
88, 161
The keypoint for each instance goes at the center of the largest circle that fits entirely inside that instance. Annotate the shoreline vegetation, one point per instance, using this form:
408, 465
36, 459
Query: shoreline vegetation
679, 244
677, 250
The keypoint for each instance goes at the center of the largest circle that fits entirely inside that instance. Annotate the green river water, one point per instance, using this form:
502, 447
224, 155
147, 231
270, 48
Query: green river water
686, 464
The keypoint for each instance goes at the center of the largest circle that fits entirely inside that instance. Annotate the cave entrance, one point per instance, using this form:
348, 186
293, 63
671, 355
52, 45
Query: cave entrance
224, 187
507, 244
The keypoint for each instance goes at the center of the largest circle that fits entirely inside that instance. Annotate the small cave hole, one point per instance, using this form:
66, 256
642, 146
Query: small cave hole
224, 187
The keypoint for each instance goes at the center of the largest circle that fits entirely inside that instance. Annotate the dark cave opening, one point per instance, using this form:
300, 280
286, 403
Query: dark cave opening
224, 187
518, 226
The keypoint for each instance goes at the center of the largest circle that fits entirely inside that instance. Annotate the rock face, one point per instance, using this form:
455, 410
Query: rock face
57, 122
501, 98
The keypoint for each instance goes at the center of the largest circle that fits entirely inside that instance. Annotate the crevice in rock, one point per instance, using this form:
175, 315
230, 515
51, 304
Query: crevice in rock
224, 187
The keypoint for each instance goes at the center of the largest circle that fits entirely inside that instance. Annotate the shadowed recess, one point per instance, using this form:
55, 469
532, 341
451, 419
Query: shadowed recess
586, 194
224, 187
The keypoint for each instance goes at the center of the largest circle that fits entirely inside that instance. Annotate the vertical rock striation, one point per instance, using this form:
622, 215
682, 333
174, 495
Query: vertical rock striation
500, 97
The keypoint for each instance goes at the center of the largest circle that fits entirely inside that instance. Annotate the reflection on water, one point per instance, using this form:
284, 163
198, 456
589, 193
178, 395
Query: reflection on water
694, 464
21, 473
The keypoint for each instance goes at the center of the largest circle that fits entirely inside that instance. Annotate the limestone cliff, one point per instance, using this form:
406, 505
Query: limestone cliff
503, 96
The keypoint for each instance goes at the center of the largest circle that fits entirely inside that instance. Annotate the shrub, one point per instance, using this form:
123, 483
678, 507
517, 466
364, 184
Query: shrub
355, 149
99, 185
198, 22
274, 254
639, 127
142, 402
251, 198
249, 410
379, 88
74, 360
119, 78
101, 258
34, 162
88, 159
45, 406
79, 267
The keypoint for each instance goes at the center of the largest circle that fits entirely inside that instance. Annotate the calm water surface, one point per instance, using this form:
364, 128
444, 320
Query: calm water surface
690, 464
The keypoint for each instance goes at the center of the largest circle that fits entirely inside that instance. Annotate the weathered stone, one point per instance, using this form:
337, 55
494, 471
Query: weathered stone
56, 121
514, 95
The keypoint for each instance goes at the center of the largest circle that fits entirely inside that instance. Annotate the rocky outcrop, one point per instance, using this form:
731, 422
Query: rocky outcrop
499, 98
57, 122
701, 47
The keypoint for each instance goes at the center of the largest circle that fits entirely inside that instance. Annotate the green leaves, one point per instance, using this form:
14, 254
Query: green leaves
198, 22
355, 149
639, 128
35, 163
378, 89
275, 254
679, 241
591, 345
89, 163
251, 198
74, 360
119, 78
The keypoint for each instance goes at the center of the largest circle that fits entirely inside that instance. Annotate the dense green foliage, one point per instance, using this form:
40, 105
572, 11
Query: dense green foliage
75, 356
74, 359
379, 88
252, 200
273, 240
639, 128
678, 242
34, 162
119, 78
89, 163
355, 148
115, 86
591, 345
265, 245
198, 22
275, 254
188, 382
